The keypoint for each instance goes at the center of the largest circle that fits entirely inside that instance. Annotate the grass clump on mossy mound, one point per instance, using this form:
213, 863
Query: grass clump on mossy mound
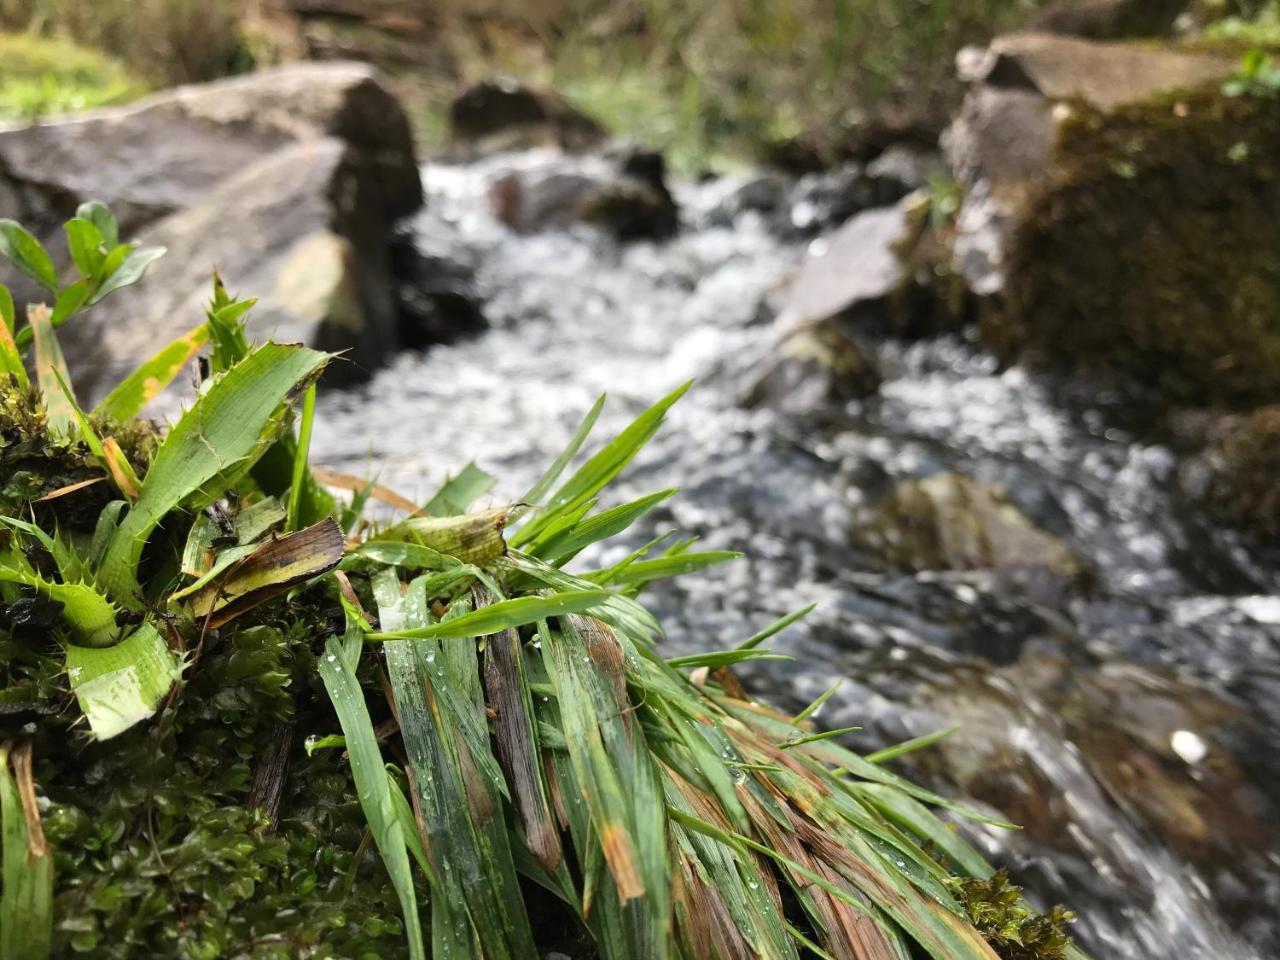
1150, 252
242, 718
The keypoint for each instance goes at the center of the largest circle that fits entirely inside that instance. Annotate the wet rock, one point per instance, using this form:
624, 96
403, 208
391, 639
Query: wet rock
950, 522
623, 194
504, 114
816, 367
436, 294
823, 200
900, 170
740, 193
1236, 476
851, 272
304, 229
1116, 751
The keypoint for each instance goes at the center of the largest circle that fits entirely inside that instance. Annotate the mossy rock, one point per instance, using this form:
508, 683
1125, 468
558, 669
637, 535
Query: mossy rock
1243, 464
1149, 252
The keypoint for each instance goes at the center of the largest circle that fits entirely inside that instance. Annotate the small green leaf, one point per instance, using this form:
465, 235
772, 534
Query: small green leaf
84, 241
138, 389
96, 212
25, 252
129, 271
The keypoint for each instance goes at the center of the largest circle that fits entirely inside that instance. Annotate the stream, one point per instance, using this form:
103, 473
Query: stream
1125, 724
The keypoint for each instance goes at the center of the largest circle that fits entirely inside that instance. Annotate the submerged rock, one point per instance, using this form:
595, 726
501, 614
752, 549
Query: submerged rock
817, 366
950, 522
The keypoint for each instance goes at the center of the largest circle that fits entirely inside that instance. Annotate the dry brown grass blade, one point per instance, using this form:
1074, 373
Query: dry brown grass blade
345, 481
70, 488
517, 749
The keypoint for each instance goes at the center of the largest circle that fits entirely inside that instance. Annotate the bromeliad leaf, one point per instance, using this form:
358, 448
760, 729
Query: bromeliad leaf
122, 685
26, 900
139, 388
231, 424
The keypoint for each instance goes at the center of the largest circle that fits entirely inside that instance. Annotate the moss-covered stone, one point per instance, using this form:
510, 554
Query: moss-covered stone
1150, 250
1243, 471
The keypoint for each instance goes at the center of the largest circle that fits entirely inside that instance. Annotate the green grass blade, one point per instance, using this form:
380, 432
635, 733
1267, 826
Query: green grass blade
293, 520
458, 493
775, 628
544, 483
373, 785
565, 545
139, 388
500, 616
639, 572
593, 475
26, 863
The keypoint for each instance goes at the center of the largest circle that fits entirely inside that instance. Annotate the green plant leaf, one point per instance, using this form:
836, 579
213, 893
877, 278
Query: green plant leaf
501, 615
299, 475
231, 424
458, 493
130, 270
122, 685
91, 616
51, 367
139, 388
10, 354
96, 212
593, 475
373, 784
25, 252
84, 241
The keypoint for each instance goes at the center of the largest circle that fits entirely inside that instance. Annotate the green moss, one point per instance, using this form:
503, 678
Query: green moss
1150, 252
158, 852
1015, 931
1245, 462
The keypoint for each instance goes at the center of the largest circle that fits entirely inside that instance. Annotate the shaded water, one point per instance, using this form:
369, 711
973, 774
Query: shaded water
1126, 727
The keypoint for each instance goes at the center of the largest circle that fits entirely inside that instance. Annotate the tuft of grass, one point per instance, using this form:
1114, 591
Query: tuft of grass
562, 780
44, 76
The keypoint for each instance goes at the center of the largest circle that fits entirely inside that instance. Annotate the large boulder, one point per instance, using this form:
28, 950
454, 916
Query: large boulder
1022, 87
166, 152
299, 229
1117, 215
289, 181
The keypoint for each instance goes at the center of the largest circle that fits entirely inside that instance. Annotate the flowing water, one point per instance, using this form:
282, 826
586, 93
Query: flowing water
1126, 725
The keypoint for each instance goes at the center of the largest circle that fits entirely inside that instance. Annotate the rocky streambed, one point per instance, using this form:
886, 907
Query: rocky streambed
980, 553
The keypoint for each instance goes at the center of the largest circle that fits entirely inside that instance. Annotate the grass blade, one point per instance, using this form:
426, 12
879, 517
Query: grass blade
501, 616
299, 479
373, 784
26, 901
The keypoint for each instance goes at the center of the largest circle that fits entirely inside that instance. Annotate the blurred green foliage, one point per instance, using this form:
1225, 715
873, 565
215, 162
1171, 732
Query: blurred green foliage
50, 75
